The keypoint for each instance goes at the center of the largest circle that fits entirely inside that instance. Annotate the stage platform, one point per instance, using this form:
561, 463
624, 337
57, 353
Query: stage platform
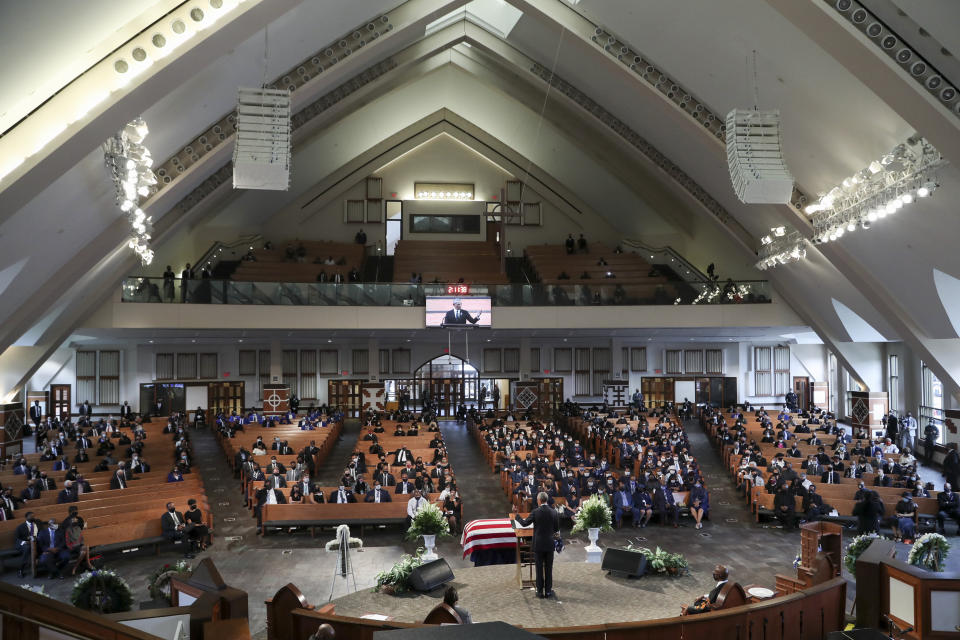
587, 595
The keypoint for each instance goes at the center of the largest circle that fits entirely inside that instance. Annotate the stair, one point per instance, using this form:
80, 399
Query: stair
520, 272
377, 269
224, 269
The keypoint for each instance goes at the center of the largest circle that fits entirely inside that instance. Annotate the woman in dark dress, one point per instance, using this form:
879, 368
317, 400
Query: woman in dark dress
453, 510
73, 527
199, 533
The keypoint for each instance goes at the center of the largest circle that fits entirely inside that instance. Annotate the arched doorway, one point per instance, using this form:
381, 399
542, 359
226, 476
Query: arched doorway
448, 381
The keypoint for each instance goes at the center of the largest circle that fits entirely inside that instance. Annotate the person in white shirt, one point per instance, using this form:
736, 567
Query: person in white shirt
889, 447
907, 458
414, 504
908, 433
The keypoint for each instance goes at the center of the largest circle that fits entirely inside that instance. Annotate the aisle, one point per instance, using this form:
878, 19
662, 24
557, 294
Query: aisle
479, 486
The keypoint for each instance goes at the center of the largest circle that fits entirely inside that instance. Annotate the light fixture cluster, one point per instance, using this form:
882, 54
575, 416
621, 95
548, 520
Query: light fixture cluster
882, 188
444, 195
781, 246
129, 162
758, 170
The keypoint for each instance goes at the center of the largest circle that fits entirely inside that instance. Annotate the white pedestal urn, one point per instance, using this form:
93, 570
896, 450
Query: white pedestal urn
429, 542
594, 552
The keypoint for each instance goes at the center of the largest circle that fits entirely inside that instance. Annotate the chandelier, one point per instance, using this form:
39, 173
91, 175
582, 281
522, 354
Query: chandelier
129, 162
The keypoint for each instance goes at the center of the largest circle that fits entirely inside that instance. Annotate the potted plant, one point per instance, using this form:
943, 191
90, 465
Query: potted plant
397, 579
662, 561
593, 517
428, 522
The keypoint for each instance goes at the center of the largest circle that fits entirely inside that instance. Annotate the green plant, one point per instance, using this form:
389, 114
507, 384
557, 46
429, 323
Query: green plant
398, 576
102, 591
929, 552
662, 561
158, 584
428, 521
856, 547
594, 513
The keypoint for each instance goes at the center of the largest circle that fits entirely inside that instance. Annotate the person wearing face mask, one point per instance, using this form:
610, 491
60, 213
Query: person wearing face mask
198, 531
26, 536
905, 520
343, 495
174, 526
699, 503
453, 510
378, 494
52, 553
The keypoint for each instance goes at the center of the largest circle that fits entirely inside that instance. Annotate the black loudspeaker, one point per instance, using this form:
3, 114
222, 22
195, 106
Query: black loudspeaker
623, 562
431, 575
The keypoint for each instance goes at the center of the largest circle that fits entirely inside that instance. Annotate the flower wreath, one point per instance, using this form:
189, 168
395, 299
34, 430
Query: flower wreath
158, 584
856, 548
103, 591
929, 552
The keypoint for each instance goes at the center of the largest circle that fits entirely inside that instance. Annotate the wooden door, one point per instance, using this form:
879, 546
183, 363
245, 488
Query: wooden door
345, 394
59, 401
801, 387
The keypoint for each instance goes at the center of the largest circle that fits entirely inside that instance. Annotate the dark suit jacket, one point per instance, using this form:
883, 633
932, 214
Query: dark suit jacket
167, 526
115, 482
384, 496
23, 533
335, 494
465, 317
262, 497
546, 523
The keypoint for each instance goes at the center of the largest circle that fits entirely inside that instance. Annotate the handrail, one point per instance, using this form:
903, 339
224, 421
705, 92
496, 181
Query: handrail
695, 274
832, 593
50, 613
600, 292
213, 254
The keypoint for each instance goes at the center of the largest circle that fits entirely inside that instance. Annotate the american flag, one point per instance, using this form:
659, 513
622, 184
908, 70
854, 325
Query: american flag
493, 533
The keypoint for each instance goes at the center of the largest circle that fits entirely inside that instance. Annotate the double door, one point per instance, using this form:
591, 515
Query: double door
446, 393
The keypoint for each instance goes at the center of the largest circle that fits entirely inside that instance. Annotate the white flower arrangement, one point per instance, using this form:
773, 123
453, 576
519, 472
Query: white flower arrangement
857, 546
593, 513
353, 543
929, 552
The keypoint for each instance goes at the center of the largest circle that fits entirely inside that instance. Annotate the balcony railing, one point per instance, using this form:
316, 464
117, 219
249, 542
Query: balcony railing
364, 294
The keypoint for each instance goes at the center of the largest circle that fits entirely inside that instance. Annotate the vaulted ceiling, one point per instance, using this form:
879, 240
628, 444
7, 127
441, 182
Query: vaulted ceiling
527, 75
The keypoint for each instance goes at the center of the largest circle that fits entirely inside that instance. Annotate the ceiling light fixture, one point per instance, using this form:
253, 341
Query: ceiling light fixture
887, 184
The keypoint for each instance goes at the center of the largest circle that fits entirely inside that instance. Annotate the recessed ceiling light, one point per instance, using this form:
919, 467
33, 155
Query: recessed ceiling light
240, 340
150, 341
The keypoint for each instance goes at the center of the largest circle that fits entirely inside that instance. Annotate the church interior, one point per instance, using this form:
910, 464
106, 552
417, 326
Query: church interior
370, 282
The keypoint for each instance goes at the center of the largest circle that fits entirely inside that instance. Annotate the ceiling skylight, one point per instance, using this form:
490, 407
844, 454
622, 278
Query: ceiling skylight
496, 16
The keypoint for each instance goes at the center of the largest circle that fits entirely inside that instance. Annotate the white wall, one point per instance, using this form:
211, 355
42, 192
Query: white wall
138, 361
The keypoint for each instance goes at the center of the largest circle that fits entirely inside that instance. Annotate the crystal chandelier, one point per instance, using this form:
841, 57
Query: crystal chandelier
129, 162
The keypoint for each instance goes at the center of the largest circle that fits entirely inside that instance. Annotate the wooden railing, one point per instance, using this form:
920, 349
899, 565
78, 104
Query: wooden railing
809, 614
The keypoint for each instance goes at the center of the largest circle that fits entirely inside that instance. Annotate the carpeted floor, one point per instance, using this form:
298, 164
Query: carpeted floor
584, 596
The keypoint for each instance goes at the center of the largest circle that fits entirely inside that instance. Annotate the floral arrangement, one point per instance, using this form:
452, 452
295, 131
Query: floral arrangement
929, 552
352, 543
594, 513
796, 561
158, 584
428, 521
103, 591
662, 561
857, 547
397, 579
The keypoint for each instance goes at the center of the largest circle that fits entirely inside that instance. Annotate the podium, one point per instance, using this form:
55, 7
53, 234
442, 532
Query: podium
526, 561
276, 399
821, 536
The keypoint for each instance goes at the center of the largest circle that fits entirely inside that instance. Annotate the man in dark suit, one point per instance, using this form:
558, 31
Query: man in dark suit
267, 495
51, 550
948, 503
85, 409
342, 495
174, 527
36, 413
402, 455
459, 316
665, 504
377, 494
126, 411
26, 535
546, 524
404, 486
830, 476
119, 480
705, 603
68, 494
